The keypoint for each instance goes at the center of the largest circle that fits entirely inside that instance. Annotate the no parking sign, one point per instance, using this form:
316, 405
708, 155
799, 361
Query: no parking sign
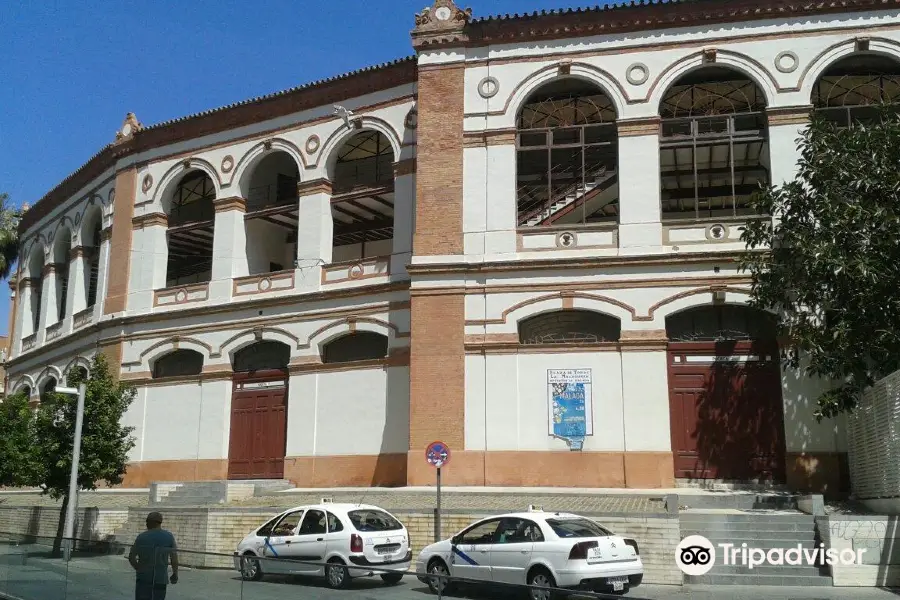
437, 454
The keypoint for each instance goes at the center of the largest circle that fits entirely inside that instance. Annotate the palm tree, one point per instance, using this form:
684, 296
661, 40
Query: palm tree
9, 235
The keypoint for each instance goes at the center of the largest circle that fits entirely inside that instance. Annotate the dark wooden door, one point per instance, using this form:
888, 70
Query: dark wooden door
726, 412
258, 428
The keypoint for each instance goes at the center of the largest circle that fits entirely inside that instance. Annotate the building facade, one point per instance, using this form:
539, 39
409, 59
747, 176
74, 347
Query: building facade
522, 241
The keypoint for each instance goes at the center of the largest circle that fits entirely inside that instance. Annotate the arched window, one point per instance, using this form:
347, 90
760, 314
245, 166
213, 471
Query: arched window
362, 208
852, 89
76, 375
191, 226
714, 150
362, 345
61, 257
567, 156
272, 213
569, 327
179, 363
36, 276
48, 388
24, 390
91, 241
262, 356
719, 323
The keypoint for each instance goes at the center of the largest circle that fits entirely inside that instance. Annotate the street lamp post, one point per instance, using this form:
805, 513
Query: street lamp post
69, 531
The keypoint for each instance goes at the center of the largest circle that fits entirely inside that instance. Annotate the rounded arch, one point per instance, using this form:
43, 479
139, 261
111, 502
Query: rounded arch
62, 245
328, 156
25, 382
355, 346
577, 70
182, 362
261, 355
79, 362
327, 333
91, 225
553, 302
734, 61
49, 372
878, 46
35, 266
572, 326
249, 337
695, 297
721, 322
243, 172
169, 345
176, 173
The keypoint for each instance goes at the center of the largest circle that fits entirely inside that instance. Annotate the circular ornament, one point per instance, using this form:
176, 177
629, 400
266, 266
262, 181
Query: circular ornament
227, 164
312, 144
637, 74
566, 239
787, 62
147, 183
488, 87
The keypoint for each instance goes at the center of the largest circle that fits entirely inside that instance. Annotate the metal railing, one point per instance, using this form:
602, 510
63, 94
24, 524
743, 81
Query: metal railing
100, 570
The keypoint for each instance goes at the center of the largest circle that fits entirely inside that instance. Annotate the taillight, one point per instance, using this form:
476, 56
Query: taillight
579, 551
356, 544
634, 545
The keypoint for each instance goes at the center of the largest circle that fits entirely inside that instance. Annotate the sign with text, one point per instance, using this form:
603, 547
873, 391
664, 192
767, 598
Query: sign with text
570, 405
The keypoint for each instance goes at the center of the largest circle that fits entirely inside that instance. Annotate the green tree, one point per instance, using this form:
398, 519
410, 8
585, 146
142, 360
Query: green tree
105, 442
19, 462
9, 235
833, 271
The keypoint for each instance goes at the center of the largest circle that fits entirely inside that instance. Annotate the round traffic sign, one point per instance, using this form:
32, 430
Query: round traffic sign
437, 454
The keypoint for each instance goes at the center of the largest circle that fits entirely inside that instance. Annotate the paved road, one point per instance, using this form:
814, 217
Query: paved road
110, 578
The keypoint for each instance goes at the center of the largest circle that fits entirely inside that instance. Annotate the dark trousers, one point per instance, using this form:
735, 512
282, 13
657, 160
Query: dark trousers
149, 591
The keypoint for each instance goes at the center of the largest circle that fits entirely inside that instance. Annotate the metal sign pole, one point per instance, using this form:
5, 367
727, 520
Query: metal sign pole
69, 532
437, 519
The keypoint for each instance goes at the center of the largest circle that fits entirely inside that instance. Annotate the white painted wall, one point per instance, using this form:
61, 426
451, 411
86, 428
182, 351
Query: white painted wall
360, 412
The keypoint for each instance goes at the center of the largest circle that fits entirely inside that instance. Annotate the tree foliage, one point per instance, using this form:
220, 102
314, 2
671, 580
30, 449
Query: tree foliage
18, 457
105, 442
9, 235
833, 272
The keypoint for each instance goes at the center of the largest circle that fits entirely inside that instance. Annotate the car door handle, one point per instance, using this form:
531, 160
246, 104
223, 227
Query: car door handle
524, 551
287, 541
320, 539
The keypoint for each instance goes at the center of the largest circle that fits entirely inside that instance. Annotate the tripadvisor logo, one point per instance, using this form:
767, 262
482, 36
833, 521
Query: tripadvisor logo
696, 555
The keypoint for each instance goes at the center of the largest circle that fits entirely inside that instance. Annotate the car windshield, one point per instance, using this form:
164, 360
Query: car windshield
577, 528
373, 520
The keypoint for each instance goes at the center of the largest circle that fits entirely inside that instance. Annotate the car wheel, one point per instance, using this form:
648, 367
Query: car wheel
539, 580
251, 570
439, 583
392, 578
336, 574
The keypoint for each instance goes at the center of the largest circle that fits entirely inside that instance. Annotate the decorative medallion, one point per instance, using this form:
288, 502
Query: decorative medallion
443, 13
312, 144
709, 55
488, 87
147, 183
130, 126
412, 118
566, 239
265, 284
355, 272
637, 74
181, 296
441, 23
787, 62
716, 232
227, 164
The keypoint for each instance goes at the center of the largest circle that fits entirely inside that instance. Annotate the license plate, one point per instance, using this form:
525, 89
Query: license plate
618, 583
593, 554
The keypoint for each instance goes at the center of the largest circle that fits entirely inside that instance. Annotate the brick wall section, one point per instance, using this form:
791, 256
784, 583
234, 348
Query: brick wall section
213, 533
120, 243
437, 378
439, 161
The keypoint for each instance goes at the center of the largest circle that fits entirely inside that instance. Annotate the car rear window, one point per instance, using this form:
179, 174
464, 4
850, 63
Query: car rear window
373, 520
577, 528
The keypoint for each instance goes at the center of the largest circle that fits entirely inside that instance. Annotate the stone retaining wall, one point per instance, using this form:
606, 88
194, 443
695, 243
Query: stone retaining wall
213, 533
879, 536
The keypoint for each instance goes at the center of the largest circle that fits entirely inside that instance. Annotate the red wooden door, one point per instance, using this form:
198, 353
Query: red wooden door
258, 428
726, 412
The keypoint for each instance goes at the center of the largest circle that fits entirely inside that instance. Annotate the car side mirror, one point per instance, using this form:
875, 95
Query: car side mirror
455, 539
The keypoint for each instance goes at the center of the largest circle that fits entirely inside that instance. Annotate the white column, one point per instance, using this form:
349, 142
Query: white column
23, 317
149, 258
501, 203
315, 232
786, 125
640, 226
404, 206
645, 393
102, 270
49, 309
229, 247
76, 294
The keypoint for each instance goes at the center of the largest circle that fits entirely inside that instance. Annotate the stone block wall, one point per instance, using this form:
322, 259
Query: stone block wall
879, 536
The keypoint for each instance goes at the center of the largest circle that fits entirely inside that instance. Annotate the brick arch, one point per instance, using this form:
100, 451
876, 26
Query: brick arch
175, 174
243, 172
249, 337
329, 153
689, 299
163, 347
551, 302
831, 55
336, 329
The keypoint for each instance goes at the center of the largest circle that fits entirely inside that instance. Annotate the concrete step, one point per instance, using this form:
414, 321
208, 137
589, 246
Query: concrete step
765, 544
784, 531
782, 571
711, 517
778, 580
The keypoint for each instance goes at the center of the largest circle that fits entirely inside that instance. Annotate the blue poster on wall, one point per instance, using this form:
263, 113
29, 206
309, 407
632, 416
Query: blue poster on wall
570, 405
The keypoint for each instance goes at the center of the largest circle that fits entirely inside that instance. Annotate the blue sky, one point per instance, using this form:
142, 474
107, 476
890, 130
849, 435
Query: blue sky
71, 71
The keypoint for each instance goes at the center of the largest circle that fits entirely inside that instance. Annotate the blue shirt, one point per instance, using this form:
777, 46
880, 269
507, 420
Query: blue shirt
151, 550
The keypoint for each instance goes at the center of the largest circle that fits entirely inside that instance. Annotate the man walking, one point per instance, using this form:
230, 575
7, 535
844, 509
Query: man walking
150, 556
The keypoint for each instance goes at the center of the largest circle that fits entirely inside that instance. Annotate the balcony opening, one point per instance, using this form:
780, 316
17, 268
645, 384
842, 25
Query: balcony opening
61, 255
362, 204
190, 234
567, 156
272, 214
853, 88
714, 150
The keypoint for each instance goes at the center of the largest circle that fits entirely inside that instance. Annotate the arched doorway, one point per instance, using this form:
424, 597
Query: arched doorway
258, 438
725, 402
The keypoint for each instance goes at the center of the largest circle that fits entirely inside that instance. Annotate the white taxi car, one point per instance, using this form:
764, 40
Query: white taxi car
535, 548
339, 541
